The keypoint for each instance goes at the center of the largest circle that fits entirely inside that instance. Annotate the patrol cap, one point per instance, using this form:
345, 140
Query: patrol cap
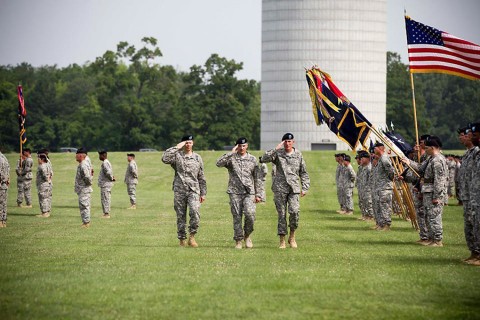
287, 136
131, 155
241, 140
347, 158
433, 141
82, 150
187, 137
378, 144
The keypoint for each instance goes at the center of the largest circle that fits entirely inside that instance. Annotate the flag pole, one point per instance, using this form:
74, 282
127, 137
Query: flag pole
415, 115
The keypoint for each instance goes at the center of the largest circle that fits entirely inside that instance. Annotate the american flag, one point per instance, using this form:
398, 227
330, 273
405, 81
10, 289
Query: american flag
432, 50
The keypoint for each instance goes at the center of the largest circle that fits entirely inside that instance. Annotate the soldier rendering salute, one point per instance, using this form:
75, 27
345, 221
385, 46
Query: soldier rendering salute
290, 180
83, 186
105, 182
44, 186
189, 187
435, 179
24, 179
382, 176
245, 188
4, 184
131, 180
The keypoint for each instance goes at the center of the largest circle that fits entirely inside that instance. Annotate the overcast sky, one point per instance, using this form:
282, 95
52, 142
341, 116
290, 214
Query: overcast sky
47, 32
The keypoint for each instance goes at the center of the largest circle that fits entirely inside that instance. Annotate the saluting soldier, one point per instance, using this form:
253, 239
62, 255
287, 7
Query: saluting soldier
189, 187
244, 189
4, 184
83, 186
105, 182
131, 180
434, 172
291, 181
383, 174
44, 186
24, 179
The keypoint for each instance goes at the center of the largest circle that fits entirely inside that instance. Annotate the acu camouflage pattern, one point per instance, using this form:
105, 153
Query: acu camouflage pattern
44, 187
24, 180
83, 188
244, 184
189, 185
262, 171
364, 186
131, 180
349, 183
339, 180
474, 234
105, 182
382, 176
290, 179
452, 166
4, 183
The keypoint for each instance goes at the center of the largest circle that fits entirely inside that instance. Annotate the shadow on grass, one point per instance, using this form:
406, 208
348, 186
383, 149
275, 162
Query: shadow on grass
317, 211
22, 214
428, 260
365, 227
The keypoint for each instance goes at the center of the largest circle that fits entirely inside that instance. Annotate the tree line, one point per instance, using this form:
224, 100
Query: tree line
127, 100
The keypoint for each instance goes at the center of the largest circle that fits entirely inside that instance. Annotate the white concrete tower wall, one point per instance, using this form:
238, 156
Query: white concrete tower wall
345, 38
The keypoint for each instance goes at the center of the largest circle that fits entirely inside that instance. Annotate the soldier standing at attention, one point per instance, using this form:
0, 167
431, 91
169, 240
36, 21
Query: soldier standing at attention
24, 179
244, 188
105, 182
339, 182
475, 196
83, 186
291, 180
4, 184
131, 179
349, 184
44, 186
189, 187
364, 186
435, 178
383, 174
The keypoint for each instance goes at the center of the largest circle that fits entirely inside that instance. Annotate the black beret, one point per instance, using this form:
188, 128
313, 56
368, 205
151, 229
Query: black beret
364, 154
130, 155
103, 151
378, 144
347, 157
424, 137
475, 127
43, 151
187, 137
82, 150
42, 156
287, 136
241, 140
27, 150
433, 141
462, 130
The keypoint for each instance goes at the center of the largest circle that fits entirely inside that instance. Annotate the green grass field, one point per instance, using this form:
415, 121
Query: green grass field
131, 267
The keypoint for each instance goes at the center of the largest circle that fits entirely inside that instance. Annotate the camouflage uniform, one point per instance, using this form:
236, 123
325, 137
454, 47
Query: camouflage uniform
465, 184
105, 182
131, 179
382, 176
435, 181
44, 187
364, 187
244, 184
189, 185
262, 171
475, 202
24, 181
452, 165
4, 182
83, 188
417, 197
291, 178
349, 183
340, 181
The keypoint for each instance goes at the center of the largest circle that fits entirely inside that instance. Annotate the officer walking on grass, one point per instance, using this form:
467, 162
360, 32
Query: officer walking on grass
83, 186
189, 187
245, 189
290, 181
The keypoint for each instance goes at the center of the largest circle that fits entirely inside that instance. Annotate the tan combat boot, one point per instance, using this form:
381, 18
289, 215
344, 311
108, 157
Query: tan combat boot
283, 245
291, 239
132, 207
191, 241
238, 245
248, 242
436, 244
182, 243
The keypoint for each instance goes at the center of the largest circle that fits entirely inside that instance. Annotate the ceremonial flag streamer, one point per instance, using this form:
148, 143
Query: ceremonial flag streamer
330, 106
433, 51
22, 115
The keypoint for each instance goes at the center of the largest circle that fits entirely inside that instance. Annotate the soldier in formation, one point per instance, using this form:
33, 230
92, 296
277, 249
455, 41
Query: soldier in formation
131, 180
105, 182
4, 184
189, 187
364, 185
348, 184
83, 186
24, 179
290, 182
44, 186
245, 189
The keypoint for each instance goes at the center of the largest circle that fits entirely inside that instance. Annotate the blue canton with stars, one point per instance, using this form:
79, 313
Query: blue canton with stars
418, 33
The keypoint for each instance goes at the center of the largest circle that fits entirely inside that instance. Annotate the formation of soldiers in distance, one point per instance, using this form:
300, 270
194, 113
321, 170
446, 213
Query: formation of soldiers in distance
290, 181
